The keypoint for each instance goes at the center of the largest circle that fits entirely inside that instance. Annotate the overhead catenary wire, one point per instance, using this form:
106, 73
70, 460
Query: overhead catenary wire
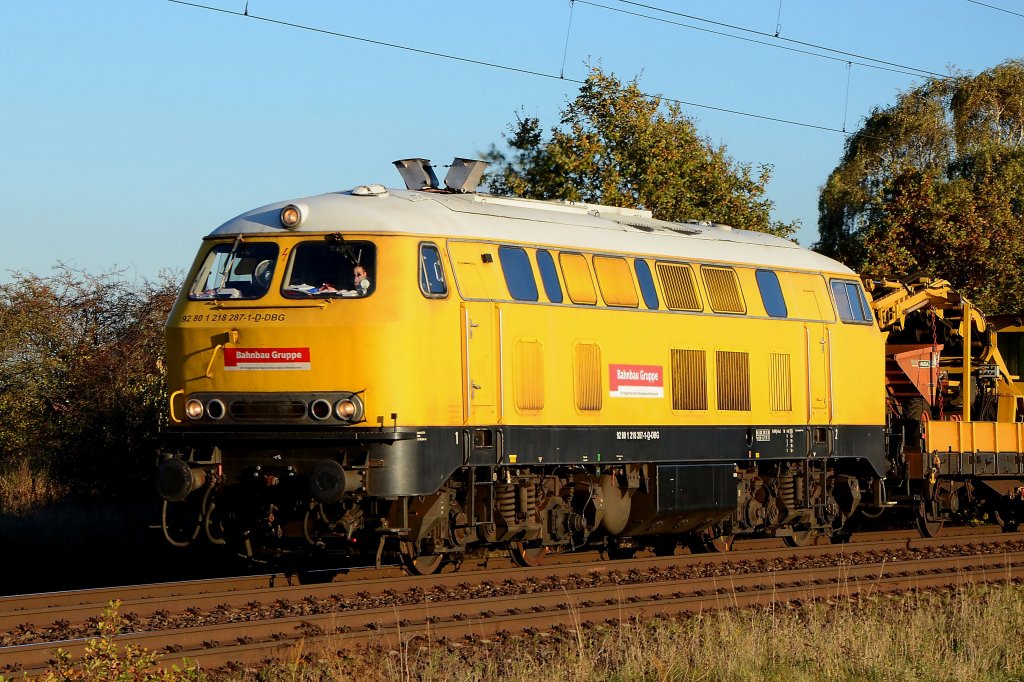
750, 40
495, 65
847, 55
998, 9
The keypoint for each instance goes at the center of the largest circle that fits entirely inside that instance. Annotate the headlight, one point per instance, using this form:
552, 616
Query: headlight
193, 408
320, 409
215, 409
349, 409
292, 215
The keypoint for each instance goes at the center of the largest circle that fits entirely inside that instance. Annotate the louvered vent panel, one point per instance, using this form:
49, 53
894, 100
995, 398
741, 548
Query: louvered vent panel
529, 376
781, 380
723, 290
689, 380
677, 283
588, 377
733, 380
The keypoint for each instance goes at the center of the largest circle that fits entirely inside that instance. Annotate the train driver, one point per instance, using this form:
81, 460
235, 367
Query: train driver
361, 280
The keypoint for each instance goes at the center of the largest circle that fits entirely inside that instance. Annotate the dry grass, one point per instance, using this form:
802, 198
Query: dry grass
23, 490
973, 633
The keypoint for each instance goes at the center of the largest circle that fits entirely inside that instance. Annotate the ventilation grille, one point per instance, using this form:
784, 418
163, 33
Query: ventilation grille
723, 290
689, 380
588, 377
529, 376
677, 282
733, 380
781, 380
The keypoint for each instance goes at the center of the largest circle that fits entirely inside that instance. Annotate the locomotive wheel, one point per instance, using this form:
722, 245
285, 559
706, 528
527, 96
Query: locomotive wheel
711, 540
420, 564
720, 543
527, 557
800, 538
616, 551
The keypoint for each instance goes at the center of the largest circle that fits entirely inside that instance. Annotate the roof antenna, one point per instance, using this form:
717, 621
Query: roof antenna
246, 12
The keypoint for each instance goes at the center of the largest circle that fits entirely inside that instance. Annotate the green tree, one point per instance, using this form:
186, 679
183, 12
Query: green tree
935, 184
618, 146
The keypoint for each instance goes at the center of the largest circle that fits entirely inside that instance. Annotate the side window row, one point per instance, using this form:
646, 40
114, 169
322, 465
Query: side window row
616, 283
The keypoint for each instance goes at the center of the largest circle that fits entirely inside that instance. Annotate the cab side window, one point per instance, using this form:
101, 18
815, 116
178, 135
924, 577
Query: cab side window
771, 293
850, 301
432, 281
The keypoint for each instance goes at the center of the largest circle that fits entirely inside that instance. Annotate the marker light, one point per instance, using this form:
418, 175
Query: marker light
349, 409
320, 409
292, 215
215, 409
193, 408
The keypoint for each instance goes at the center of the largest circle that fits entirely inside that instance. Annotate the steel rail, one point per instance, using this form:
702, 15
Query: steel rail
343, 630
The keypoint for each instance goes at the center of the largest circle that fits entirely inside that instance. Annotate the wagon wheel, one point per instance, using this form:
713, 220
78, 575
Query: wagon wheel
1007, 521
800, 538
1007, 515
420, 564
527, 557
928, 525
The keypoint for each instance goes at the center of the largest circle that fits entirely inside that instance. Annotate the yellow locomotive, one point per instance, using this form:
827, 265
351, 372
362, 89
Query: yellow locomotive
425, 371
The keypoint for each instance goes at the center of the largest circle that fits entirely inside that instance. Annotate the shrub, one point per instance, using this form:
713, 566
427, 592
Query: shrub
82, 386
105, 660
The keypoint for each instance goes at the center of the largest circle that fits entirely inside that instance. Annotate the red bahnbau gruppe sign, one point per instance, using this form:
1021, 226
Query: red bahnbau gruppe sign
266, 358
636, 381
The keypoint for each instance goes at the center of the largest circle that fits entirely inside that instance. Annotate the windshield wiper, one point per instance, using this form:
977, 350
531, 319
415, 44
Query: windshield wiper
232, 256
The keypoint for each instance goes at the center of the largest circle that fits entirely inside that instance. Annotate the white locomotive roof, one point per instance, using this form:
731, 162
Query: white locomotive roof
558, 224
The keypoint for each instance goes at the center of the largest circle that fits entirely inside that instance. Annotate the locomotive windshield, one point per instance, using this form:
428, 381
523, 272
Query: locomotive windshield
239, 270
331, 267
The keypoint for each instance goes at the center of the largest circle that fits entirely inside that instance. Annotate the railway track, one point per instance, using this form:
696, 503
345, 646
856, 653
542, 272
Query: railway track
250, 619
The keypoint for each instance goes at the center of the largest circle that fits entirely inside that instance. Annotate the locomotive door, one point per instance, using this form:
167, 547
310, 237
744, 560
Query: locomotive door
817, 354
819, 409
479, 369
471, 262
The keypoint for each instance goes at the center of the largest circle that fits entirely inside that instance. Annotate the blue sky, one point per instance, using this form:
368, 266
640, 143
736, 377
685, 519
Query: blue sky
130, 129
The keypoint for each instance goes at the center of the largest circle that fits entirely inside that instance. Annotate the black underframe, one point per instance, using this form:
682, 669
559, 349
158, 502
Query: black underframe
410, 461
